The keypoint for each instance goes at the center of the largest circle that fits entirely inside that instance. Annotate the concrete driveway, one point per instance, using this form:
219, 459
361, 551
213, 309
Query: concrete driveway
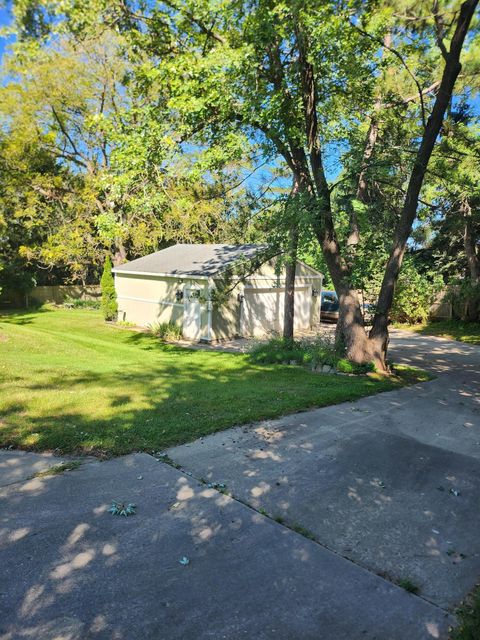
366, 494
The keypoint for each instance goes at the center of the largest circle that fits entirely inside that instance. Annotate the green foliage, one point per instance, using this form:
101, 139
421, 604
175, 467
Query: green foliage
322, 351
76, 303
316, 353
468, 332
408, 585
90, 160
93, 388
122, 509
59, 468
279, 351
414, 294
346, 366
468, 616
152, 125
109, 297
166, 331
465, 299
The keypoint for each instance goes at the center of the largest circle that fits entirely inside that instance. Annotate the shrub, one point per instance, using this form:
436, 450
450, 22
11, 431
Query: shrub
82, 304
321, 351
109, 297
468, 616
278, 350
465, 300
414, 294
166, 330
346, 366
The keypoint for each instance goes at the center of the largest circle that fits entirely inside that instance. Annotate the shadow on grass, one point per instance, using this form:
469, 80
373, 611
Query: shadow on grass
151, 408
82, 386
22, 316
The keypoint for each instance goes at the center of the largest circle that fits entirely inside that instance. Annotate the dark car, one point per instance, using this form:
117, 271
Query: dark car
329, 307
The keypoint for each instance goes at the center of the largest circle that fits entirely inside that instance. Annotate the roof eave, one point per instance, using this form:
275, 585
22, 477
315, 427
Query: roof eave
158, 274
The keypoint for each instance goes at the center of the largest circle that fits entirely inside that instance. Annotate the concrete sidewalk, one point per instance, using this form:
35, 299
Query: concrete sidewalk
73, 571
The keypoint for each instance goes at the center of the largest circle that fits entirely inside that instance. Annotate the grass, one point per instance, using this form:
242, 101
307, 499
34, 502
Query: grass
409, 586
468, 332
59, 468
468, 616
71, 383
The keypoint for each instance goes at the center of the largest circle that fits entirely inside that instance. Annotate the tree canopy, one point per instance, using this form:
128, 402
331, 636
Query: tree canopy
344, 132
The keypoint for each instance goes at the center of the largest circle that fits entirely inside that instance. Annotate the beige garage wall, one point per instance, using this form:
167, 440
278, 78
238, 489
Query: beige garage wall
305, 277
139, 299
146, 300
226, 318
263, 310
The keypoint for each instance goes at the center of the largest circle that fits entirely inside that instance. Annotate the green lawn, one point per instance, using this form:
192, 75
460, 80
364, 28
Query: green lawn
70, 382
468, 332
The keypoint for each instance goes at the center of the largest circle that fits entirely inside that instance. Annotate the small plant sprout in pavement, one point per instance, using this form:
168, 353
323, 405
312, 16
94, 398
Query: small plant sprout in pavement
408, 585
122, 509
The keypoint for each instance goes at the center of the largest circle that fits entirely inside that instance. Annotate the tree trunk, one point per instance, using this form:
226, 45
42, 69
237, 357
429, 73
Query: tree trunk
289, 301
379, 331
119, 253
350, 337
472, 309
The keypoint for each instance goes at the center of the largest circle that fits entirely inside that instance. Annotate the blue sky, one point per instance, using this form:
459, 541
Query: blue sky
4, 20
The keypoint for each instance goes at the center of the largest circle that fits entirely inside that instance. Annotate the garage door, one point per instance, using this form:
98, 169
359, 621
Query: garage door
262, 310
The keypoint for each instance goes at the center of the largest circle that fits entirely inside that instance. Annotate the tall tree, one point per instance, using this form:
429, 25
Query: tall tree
293, 79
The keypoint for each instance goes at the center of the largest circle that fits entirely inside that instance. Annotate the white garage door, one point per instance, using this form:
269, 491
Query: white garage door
262, 310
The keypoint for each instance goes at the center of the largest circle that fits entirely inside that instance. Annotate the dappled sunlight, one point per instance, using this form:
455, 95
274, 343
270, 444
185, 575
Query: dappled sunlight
353, 494
260, 454
260, 489
35, 599
79, 561
432, 629
77, 534
269, 435
185, 493
203, 532
115, 559
302, 554
35, 485
16, 534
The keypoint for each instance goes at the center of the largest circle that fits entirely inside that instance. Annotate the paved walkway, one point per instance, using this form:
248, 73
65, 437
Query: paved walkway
387, 488
244, 345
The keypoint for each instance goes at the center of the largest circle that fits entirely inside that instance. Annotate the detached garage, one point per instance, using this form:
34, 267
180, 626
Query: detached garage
176, 285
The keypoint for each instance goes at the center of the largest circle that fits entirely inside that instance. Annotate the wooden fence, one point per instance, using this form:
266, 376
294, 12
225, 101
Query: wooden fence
60, 293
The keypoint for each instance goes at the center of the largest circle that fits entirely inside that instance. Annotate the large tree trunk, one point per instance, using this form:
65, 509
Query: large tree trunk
351, 337
289, 300
379, 331
472, 309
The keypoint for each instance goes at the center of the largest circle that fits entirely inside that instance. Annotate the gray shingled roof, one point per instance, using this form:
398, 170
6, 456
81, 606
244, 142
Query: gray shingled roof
191, 259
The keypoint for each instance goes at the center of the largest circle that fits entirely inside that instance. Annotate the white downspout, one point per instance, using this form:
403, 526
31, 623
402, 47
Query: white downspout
209, 311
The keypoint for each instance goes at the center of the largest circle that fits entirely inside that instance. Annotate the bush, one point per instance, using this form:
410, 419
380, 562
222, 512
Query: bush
82, 304
465, 300
109, 297
346, 366
278, 350
166, 330
317, 353
414, 294
322, 351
